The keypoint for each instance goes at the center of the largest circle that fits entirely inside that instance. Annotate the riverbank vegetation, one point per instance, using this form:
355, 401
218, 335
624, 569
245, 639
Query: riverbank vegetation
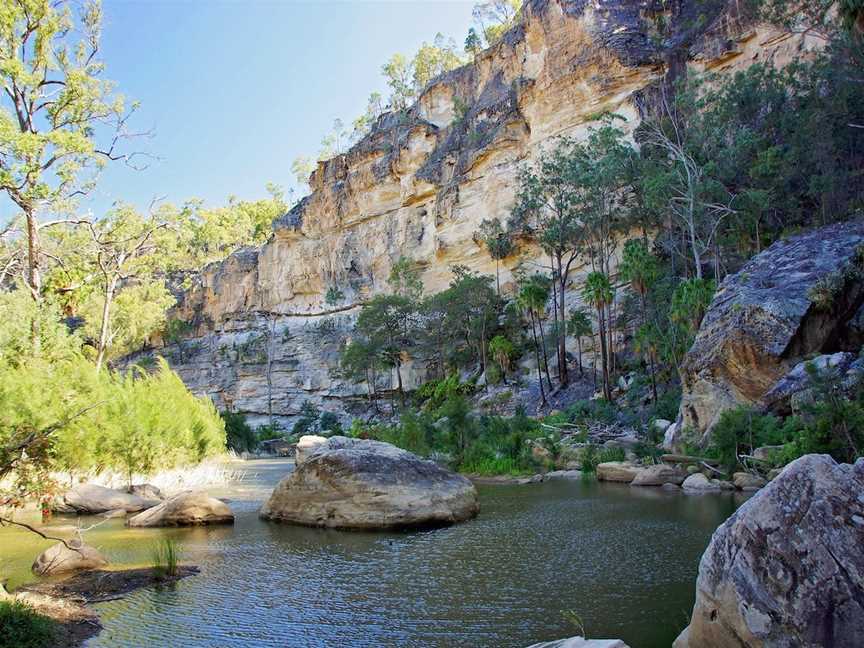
638, 227
23, 627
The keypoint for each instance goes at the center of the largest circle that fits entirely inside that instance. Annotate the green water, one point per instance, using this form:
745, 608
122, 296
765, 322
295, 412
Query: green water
624, 559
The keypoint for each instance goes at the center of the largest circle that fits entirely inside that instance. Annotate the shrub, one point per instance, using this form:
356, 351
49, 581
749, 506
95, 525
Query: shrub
239, 435
22, 627
330, 423
614, 453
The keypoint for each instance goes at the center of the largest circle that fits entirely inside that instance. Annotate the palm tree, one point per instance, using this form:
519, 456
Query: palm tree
579, 326
639, 267
532, 299
598, 292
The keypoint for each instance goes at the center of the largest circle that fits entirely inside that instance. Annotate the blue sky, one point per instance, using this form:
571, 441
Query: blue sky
236, 90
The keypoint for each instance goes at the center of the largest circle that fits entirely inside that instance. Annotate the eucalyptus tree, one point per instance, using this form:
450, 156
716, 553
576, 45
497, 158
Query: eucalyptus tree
60, 120
574, 205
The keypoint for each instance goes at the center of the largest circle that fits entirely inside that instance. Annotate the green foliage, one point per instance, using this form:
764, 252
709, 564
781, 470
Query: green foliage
503, 351
81, 420
239, 435
329, 424
22, 627
485, 445
333, 296
742, 429
165, 556
308, 421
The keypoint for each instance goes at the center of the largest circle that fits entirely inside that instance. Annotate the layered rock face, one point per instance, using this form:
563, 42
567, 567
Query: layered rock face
803, 295
420, 183
357, 484
787, 569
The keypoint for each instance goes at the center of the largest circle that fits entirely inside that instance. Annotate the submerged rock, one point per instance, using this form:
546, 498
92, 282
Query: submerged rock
787, 569
186, 509
617, 471
89, 499
60, 558
358, 484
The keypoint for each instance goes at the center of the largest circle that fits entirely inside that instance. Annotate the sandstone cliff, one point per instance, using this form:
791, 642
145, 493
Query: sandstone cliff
419, 184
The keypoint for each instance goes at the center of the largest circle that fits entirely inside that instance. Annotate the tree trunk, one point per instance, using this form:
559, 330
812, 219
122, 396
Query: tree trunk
399, 382
545, 355
34, 275
537, 357
563, 373
607, 392
104, 325
579, 346
497, 279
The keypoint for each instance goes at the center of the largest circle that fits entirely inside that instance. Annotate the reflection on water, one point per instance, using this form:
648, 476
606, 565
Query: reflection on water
624, 559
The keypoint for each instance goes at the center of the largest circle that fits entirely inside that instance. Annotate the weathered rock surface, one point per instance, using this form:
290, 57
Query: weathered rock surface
420, 183
358, 484
581, 642
89, 499
147, 491
787, 569
762, 321
185, 509
796, 387
306, 445
659, 474
617, 471
59, 558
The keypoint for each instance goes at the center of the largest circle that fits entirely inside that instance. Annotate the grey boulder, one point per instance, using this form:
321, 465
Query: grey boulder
185, 509
359, 484
90, 499
787, 569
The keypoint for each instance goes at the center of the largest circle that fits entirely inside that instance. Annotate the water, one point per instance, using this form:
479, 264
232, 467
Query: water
623, 559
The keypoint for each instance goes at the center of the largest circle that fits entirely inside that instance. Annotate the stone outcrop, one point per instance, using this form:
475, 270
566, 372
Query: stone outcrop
617, 471
658, 475
185, 509
90, 499
796, 387
798, 297
787, 569
358, 484
71, 557
263, 339
747, 482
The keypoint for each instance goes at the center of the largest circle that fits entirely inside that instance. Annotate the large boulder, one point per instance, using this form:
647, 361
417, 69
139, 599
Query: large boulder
90, 499
796, 298
581, 642
185, 509
617, 471
787, 569
359, 484
306, 445
63, 558
747, 482
658, 475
